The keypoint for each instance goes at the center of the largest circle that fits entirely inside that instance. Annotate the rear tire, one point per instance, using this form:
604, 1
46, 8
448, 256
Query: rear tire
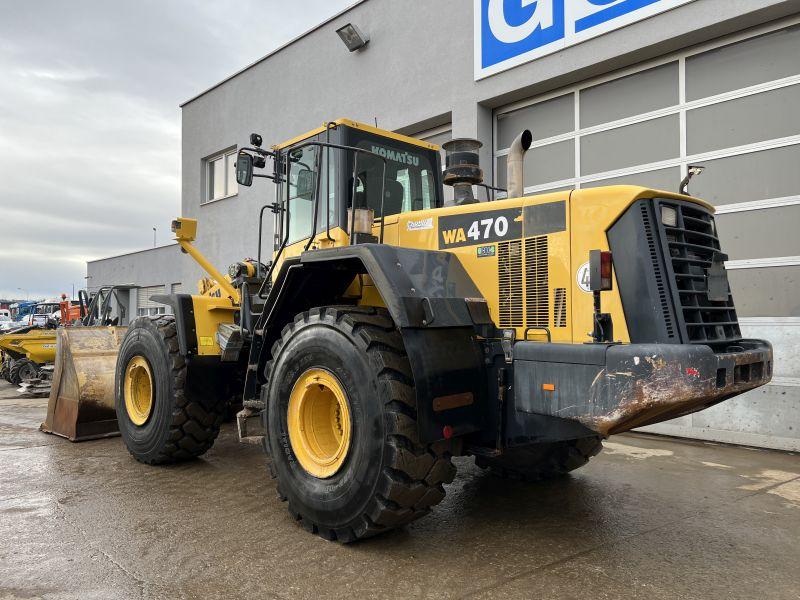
21, 370
5, 370
388, 477
182, 420
542, 461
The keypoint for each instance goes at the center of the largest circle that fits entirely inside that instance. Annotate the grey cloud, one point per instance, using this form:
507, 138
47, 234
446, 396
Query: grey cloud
90, 125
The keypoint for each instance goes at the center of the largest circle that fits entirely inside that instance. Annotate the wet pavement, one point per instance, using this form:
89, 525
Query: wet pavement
648, 518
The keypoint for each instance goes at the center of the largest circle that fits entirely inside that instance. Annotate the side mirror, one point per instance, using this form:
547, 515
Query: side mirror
305, 184
244, 169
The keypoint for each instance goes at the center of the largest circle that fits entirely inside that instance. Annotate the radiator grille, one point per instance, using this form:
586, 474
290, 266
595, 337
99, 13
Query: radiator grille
537, 289
659, 275
692, 244
560, 307
509, 273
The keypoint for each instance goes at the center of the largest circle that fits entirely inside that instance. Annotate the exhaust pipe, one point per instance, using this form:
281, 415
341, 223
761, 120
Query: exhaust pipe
514, 164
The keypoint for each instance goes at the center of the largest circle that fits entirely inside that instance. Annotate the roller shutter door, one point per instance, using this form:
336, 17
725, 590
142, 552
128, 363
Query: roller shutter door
730, 106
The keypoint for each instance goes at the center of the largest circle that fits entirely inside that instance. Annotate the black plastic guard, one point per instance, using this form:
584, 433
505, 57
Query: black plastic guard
183, 309
613, 388
421, 288
450, 381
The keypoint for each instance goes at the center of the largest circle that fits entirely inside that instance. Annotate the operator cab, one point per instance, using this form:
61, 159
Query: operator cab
330, 170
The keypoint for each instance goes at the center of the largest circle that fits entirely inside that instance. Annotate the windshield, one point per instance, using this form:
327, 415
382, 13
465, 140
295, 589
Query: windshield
411, 181
46, 309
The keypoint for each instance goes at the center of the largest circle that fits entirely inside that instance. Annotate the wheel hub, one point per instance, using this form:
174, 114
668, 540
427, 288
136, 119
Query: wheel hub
319, 423
138, 390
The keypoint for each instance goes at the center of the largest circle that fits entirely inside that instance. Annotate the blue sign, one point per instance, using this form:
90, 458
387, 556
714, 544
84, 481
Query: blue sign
511, 32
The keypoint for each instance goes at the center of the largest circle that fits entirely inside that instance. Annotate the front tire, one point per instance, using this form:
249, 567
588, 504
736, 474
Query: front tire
386, 476
163, 416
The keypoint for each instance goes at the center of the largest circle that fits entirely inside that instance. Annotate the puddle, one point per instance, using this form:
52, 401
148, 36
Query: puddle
767, 478
633, 451
788, 491
715, 465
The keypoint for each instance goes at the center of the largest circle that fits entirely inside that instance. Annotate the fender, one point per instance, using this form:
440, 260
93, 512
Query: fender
183, 309
432, 300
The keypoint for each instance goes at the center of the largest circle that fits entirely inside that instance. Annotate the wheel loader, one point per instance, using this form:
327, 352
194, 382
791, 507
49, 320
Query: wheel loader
389, 333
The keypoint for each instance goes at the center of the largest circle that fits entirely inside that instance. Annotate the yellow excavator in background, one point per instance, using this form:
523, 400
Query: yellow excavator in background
390, 332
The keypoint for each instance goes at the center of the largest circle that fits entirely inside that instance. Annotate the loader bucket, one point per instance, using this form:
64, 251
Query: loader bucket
81, 404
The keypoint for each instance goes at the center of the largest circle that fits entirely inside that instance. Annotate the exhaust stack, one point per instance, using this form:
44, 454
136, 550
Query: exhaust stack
514, 164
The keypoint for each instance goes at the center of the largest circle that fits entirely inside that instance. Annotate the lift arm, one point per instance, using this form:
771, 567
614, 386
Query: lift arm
185, 231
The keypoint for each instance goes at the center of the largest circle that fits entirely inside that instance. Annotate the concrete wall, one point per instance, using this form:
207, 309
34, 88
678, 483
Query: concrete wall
766, 417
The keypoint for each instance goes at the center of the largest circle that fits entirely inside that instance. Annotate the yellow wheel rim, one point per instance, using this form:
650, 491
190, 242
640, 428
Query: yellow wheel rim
319, 423
138, 390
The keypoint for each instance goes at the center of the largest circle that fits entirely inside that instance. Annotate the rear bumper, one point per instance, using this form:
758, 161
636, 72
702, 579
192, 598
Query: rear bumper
613, 388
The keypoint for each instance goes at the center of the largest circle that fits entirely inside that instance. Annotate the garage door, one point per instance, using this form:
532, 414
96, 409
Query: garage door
731, 106
145, 306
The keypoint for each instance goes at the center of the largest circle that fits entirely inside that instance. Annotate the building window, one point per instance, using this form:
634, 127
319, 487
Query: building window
220, 176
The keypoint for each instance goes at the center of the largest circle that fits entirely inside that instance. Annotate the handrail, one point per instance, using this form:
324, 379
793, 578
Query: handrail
260, 235
545, 329
285, 240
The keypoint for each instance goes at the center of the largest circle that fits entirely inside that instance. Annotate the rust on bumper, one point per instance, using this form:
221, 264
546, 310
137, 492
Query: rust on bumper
639, 384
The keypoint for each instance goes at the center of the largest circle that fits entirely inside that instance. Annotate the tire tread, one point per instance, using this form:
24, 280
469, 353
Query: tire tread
195, 425
411, 478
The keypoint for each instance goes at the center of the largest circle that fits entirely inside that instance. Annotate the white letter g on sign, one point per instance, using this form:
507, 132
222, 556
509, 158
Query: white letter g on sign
511, 34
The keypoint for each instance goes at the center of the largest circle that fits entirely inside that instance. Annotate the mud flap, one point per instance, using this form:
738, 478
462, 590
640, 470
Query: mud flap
81, 403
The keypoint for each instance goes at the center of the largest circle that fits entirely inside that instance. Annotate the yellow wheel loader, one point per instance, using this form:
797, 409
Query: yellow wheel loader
391, 332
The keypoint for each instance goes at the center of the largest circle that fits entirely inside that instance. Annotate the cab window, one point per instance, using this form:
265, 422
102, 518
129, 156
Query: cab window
410, 180
302, 167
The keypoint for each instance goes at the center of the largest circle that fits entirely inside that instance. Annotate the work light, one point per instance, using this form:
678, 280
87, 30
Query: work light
352, 37
669, 216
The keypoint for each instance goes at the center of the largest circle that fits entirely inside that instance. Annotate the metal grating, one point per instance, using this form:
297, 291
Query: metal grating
560, 307
692, 244
660, 281
509, 275
537, 288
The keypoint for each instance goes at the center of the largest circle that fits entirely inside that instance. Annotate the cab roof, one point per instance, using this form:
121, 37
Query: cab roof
363, 127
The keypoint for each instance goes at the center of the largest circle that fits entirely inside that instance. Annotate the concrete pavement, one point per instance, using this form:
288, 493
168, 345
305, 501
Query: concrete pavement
648, 518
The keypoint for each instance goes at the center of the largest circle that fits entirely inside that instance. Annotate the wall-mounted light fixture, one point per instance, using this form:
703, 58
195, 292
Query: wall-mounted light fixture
352, 37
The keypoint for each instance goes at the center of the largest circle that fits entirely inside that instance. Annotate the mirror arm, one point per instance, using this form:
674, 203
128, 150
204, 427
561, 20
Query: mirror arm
259, 151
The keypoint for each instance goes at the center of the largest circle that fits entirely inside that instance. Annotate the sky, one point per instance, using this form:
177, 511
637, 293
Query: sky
90, 123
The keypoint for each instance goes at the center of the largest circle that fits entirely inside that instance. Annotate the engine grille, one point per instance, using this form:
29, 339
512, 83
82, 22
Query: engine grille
509, 276
524, 284
690, 247
537, 290
560, 307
